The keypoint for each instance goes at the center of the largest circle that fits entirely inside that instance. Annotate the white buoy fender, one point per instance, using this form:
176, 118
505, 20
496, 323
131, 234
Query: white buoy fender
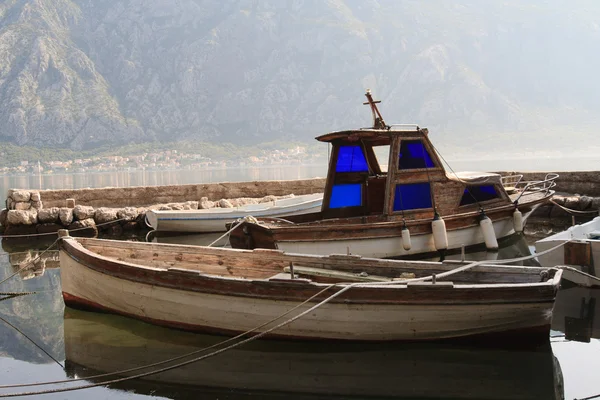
489, 236
406, 245
440, 237
518, 220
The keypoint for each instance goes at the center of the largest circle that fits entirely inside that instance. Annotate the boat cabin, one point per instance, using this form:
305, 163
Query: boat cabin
394, 172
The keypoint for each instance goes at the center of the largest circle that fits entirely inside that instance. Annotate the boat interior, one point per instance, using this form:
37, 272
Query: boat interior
261, 264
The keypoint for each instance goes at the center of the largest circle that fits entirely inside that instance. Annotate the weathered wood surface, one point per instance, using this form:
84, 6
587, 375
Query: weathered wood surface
131, 279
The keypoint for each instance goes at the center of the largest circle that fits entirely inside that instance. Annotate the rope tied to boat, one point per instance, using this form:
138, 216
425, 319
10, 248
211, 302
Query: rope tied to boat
343, 288
235, 224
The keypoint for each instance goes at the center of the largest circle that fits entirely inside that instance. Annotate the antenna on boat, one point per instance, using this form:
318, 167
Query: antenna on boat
378, 122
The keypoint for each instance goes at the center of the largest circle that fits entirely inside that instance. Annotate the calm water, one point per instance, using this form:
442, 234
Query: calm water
40, 340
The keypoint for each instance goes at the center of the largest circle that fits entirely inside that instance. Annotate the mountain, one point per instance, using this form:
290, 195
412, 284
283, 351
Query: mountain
484, 75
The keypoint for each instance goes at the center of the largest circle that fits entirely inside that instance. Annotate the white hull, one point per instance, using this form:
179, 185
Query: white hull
347, 321
215, 219
392, 246
577, 232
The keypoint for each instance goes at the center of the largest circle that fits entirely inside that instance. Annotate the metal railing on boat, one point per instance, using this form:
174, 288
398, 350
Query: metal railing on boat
515, 184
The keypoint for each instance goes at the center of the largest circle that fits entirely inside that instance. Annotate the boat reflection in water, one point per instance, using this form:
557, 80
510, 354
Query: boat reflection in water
97, 343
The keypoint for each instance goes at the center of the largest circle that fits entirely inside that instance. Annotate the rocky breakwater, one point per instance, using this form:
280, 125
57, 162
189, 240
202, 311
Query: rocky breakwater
566, 205
25, 214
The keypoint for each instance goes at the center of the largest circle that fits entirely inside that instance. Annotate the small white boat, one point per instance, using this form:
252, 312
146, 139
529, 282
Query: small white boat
584, 250
215, 219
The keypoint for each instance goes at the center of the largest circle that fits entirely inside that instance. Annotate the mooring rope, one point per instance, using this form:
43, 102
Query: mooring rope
237, 223
56, 233
32, 341
174, 358
588, 398
575, 212
344, 288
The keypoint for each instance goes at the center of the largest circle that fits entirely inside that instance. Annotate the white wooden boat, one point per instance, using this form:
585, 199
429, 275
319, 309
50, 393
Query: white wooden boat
232, 291
215, 219
583, 251
411, 208
270, 369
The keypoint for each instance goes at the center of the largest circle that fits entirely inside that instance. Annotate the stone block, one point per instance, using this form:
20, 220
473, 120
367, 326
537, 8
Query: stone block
35, 196
22, 217
86, 228
193, 204
19, 195
585, 202
48, 215
205, 203
65, 215
70, 203
38, 205
21, 205
104, 215
224, 203
127, 213
19, 258
83, 212
572, 202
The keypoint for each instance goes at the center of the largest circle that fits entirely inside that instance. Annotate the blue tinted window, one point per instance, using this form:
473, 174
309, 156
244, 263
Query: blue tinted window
347, 195
413, 154
351, 159
412, 196
474, 194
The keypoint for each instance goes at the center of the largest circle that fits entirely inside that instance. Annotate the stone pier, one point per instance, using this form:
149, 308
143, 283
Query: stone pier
118, 209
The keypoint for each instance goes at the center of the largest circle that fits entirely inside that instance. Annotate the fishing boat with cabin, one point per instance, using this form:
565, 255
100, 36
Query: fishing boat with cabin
299, 296
412, 208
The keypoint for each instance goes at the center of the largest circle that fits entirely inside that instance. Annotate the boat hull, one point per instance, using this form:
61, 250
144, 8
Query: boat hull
216, 219
380, 240
376, 313
384, 247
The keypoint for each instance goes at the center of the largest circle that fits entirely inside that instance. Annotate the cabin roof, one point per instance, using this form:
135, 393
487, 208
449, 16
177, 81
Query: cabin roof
373, 136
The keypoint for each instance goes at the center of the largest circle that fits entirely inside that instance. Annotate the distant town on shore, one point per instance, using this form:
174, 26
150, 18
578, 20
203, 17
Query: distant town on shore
171, 159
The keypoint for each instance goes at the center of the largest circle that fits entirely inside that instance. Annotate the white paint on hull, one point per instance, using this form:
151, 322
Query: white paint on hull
215, 219
392, 246
331, 321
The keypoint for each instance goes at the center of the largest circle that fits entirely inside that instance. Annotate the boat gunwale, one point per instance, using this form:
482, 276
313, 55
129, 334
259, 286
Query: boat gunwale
528, 292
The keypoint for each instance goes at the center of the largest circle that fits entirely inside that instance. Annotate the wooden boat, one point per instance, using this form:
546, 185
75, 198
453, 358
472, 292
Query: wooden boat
215, 219
413, 207
231, 291
98, 343
583, 251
